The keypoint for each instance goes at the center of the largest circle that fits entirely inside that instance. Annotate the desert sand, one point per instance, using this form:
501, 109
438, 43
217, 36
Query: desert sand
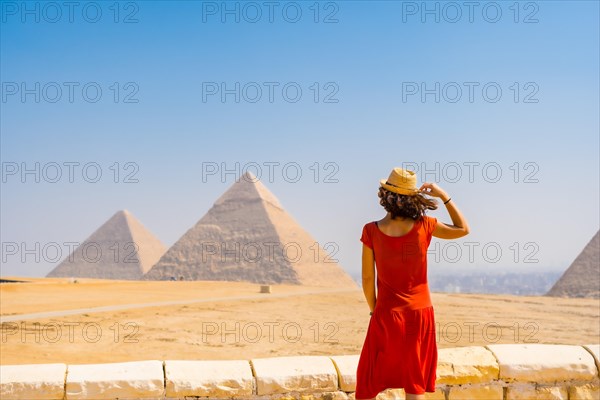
232, 320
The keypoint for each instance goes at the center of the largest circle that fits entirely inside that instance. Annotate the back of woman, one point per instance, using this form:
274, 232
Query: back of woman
400, 348
401, 263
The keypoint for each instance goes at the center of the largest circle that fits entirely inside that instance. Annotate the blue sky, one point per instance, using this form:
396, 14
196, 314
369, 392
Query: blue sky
370, 62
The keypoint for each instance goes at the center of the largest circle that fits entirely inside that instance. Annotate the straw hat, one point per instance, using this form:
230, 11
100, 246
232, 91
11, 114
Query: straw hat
401, 181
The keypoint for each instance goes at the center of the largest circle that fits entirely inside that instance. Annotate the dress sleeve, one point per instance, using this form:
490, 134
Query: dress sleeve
431, 223
366, 237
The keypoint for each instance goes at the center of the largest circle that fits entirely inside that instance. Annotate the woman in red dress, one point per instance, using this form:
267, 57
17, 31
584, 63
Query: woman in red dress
400, 348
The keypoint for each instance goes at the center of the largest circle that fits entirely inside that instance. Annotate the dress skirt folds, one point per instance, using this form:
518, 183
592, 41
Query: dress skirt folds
400, 349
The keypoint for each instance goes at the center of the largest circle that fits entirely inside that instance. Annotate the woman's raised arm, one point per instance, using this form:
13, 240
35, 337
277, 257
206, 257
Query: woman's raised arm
460, 225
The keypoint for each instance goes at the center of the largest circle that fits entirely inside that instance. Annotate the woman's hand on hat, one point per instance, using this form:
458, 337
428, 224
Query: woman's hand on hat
433, 190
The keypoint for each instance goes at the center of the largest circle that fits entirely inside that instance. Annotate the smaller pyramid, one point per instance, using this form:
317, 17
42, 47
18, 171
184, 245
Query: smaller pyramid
582, 278
122, 248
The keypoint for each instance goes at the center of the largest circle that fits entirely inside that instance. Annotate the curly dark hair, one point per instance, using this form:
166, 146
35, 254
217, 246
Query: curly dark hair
400, 205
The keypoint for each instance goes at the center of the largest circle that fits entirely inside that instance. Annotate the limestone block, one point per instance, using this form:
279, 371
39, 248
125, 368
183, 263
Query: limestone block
444, 371
591, 391
533, 391
214, 378
37, 381
543, 363
595, 350
128, 380
476, 392
346, 368
300, 374
337, 395
470, 364
399, 394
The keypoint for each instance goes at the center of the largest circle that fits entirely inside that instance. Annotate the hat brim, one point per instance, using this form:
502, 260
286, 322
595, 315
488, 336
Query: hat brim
395, 189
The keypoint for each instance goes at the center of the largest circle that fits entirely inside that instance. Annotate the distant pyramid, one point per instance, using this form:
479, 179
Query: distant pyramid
248, 236
582, 278
122, 248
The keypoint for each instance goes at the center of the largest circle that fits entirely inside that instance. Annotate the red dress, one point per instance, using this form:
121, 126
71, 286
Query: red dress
400, 348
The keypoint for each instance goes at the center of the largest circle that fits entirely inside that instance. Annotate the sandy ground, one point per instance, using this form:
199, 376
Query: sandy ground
225, 320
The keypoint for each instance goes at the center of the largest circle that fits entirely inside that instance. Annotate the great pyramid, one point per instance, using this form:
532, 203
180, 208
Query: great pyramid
582, 278
122, 248
248, 236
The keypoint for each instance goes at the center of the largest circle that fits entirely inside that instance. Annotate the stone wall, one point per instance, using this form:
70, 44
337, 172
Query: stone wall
502, 371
